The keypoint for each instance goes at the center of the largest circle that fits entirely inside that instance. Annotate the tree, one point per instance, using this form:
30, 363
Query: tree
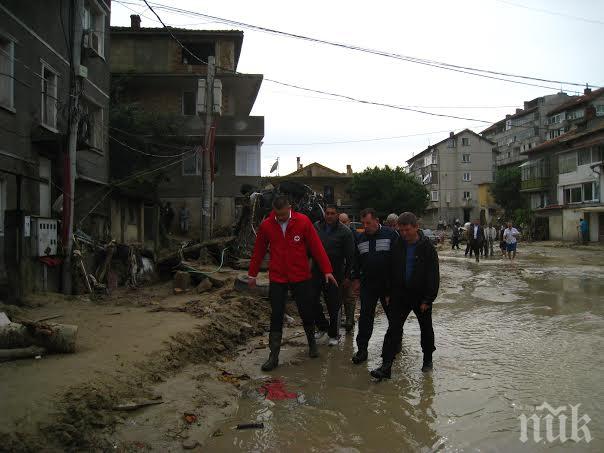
389, 190
506, 190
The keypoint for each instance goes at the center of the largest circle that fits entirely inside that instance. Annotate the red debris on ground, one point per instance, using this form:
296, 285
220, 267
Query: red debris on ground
274, 389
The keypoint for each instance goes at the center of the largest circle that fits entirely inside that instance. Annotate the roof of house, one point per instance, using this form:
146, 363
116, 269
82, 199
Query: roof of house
570, 136
431, 147
578, 101
301, 171
509, 117
183, 34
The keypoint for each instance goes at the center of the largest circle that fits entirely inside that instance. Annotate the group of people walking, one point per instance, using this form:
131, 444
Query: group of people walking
481, 241
395, 265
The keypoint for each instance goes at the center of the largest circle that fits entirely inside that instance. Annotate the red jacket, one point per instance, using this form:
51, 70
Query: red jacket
288, 254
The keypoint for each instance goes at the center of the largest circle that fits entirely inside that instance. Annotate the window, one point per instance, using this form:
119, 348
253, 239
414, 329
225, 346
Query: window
465, 142
427, 178
95, 125
49, 97
555, 119
580, 193
7, 67
556, 133
567, 163
451, 143
189, 103
467, 176
508, 125
465, 158
600, 110
575, 115
467, 195
93, 23
201, 50
247, 160
191, 166
434, 195
584, 156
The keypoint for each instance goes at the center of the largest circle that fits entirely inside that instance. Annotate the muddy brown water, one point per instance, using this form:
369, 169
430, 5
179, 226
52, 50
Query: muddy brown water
509, 338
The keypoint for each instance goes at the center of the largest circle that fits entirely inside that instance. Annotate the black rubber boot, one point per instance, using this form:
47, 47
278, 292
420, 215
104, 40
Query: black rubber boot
349, 308
359, 357
313, 350
427, 365
383, 372
274, 343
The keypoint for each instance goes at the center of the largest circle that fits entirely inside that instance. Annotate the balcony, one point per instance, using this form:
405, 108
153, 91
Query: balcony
247, 126
535, 184
513, 159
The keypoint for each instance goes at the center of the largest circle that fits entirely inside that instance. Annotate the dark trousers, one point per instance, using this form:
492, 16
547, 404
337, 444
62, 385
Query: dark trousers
332, 296
277, 294
476, 247
469, 249
425, 325
369, 299
455, 242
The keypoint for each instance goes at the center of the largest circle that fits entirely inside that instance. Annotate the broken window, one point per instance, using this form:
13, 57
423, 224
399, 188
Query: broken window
192, 53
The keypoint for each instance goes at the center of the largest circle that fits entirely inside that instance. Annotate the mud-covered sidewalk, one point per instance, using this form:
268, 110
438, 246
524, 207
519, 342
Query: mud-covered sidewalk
152, 370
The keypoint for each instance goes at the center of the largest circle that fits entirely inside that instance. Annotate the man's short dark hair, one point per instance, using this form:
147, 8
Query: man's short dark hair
407, 218
369, 211
331, 206
280, 202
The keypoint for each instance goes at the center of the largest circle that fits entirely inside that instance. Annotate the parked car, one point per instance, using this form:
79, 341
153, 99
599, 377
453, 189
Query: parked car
430, 235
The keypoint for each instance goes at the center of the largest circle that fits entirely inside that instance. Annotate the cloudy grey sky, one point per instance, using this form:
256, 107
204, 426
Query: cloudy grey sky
550, 39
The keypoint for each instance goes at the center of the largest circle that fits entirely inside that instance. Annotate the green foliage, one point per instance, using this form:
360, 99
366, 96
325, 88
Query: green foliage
506, 190
388, 190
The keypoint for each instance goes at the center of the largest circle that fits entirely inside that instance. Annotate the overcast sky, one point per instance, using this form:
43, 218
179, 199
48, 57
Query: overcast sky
506, 36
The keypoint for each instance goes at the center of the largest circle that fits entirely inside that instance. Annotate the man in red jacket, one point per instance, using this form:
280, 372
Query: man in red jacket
292, 238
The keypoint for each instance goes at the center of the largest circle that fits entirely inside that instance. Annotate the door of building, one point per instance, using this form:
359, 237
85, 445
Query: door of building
601, 227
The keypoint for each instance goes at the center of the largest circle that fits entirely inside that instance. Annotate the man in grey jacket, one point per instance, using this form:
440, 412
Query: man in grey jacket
338, 242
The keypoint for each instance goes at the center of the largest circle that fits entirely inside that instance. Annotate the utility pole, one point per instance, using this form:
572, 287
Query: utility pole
206, 186
70, 157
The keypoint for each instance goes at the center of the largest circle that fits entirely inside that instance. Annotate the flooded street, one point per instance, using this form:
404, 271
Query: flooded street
509, 337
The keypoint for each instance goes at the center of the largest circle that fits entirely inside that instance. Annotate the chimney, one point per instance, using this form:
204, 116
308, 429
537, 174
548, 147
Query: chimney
587, 90
451, 134
135, 22
298, 164
349, 170
518, 111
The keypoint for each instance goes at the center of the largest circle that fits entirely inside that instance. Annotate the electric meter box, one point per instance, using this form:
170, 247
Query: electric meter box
44, 236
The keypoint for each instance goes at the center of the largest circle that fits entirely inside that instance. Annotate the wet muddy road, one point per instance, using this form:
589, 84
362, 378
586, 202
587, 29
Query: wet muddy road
509, 337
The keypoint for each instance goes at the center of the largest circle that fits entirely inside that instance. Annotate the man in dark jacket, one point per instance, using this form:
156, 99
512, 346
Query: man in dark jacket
371, 274
349, 299
476, 238
415, 279
339, 244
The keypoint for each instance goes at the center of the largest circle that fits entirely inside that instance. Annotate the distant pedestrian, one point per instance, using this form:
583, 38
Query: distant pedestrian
490, 236
183, 216
455, 237
291, 238
502, 244
510, 236
584, 230
168, 217
476, 238
391, 221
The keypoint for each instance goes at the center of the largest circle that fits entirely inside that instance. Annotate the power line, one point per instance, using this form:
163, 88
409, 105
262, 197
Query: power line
553, 13
356, 141
442, 65
144, 152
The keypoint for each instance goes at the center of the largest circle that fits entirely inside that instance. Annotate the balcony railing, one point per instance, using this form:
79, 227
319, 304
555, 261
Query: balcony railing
535, 183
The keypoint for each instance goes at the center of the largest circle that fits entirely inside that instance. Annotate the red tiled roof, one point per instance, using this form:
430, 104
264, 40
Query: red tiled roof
578, 101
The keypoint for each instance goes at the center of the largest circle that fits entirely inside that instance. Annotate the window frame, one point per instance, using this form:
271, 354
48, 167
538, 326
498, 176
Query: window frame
432, 195
464, 160
54, 98
465, 141
197, 171
469, 178
10, 55
247, 149
97, 24
469, 197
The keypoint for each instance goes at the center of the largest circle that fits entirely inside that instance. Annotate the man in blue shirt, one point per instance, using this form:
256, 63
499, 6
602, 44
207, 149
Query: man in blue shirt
584, 227
415, 280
